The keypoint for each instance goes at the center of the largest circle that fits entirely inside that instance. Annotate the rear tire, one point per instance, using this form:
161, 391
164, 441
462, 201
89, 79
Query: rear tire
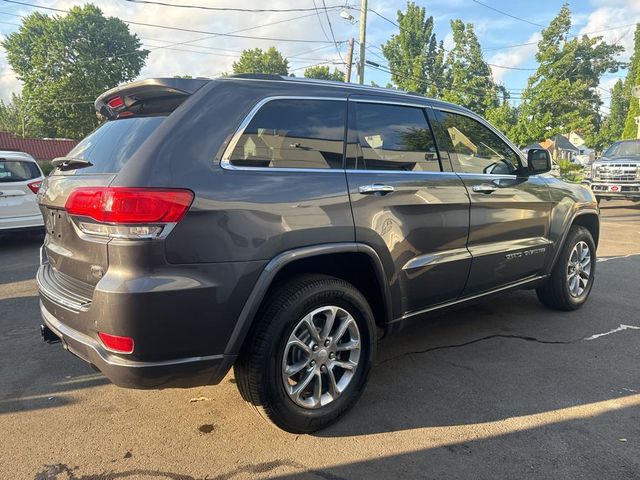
282, 342
573, 275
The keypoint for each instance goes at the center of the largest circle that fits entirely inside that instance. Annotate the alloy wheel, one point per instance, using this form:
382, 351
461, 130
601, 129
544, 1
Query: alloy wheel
321, 357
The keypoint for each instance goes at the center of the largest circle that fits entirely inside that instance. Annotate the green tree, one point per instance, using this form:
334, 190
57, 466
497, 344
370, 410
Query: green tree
324, 73
613, 124
66, 62
415, 57
504, 116
633, 79
471, 82
561, 95
257, 60
16, 118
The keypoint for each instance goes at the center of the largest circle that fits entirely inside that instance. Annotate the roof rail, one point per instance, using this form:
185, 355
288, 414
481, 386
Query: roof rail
258, 76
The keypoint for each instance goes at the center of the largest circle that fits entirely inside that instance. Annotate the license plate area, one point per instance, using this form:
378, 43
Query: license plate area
614, 188
53, 222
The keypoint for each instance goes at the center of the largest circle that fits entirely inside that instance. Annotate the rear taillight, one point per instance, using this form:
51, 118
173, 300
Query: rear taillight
123, 212
116, 343
35, 186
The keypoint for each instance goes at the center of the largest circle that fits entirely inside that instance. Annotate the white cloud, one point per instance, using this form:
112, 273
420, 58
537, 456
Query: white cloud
514, 57
166, 62
606, 17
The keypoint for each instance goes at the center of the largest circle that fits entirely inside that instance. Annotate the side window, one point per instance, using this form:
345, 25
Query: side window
474, 148
293, 133
390, 137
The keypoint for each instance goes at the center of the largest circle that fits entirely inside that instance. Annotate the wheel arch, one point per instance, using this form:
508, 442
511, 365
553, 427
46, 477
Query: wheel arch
332, 259
588, 219
591, 222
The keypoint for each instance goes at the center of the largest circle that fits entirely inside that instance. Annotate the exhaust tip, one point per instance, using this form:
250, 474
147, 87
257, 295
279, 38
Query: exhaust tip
47, 335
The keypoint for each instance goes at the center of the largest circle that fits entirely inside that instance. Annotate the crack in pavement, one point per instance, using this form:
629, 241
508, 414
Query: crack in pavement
525, 338
482, 339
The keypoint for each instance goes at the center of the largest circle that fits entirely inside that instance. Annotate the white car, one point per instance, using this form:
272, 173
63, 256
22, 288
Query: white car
20, 179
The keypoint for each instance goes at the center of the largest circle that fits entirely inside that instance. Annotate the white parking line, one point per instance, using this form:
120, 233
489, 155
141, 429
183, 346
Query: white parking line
606, 259
615, 330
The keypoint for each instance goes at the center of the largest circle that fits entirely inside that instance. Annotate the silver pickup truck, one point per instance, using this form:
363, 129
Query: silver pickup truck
617, 173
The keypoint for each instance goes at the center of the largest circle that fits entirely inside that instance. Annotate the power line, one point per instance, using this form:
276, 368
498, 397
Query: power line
179, 29
324, 32
383, 17
451, 51
617, 27
508, 14
232, 9
331, 30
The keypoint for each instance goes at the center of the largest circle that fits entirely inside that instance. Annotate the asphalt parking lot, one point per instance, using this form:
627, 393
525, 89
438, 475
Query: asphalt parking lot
504, 389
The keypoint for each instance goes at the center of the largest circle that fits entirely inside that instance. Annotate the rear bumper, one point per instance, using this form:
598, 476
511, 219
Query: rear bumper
175, 373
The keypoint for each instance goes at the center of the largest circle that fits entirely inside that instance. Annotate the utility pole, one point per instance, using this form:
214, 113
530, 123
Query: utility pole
347, 74
363, 40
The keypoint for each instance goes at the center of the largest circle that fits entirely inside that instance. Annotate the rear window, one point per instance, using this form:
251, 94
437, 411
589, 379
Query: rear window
111, 146
17, 171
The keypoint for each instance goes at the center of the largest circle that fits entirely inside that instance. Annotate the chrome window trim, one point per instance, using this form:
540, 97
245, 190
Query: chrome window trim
390, 102
225, 161
402, 172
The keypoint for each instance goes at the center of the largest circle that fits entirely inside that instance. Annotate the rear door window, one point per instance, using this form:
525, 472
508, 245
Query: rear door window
390, 137
17, 171
293, 133
111, 145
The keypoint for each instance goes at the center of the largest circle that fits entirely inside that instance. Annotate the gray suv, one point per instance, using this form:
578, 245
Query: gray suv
280, 226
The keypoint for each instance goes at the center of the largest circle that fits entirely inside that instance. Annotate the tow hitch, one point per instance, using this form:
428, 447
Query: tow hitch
47, 335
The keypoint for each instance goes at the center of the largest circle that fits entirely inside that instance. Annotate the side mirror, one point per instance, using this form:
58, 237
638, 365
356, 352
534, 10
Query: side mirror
539, 161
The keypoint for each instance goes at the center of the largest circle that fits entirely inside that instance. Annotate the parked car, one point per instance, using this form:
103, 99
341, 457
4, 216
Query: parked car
617, 173
20, 179
277, 225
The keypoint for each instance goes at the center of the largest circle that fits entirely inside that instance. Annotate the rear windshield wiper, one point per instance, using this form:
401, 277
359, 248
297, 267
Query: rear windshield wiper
70, 162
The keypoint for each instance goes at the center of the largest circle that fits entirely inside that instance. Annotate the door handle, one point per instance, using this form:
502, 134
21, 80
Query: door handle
484, 188
376, 188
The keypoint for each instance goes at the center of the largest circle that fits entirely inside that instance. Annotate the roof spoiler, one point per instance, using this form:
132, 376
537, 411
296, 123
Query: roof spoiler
145, 97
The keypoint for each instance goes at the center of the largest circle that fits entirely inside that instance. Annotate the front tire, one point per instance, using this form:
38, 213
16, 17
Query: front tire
573, 275
308, 358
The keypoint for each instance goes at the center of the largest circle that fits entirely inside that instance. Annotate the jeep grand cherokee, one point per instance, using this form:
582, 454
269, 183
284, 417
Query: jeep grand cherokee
276, 225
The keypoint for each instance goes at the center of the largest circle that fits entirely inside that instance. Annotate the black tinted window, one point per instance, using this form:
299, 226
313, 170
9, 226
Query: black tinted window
17, 171
110, 146
391, 137
293, 134
474, 148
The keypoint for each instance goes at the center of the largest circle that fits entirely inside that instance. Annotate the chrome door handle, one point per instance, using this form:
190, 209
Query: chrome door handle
484, 188
376, 188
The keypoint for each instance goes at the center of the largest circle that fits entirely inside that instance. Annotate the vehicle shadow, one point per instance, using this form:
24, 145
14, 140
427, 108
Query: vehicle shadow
593, 446
34, 375
19, 256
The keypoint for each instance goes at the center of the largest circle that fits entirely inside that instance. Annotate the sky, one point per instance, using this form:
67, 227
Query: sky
306, 37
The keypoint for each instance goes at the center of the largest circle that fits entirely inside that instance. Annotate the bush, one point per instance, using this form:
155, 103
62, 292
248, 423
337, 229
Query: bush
46, 166
571, 172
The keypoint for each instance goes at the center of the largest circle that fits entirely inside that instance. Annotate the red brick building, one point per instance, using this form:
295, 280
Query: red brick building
39, 148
